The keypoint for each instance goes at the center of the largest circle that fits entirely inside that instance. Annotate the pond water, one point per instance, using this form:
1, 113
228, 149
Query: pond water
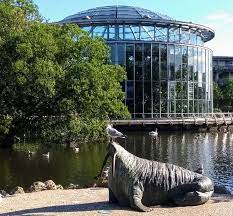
187, 149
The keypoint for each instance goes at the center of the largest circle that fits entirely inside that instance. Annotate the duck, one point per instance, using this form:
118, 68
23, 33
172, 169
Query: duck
154, 133
46, 155
30, 153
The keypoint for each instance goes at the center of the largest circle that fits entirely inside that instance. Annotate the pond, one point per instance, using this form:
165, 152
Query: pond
187, 149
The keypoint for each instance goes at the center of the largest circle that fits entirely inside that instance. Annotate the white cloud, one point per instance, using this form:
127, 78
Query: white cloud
222, 23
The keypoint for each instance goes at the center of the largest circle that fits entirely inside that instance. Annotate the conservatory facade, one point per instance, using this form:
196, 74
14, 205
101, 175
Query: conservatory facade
169, 70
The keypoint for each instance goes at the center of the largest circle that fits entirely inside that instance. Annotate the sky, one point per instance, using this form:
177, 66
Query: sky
216, 14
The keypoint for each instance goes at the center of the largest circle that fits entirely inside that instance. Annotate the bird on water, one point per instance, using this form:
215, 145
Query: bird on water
154, 133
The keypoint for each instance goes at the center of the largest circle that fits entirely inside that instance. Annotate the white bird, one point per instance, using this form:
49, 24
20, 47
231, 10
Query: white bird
76, 150
154, 133
113, 133
46, 155
200, 170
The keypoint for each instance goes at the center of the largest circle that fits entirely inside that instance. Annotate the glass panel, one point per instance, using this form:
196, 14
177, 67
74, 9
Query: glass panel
199, 40
174, 35
190, 63
113, 53
191, 106
171, 60
195, 91
163, 97
138, 62
203, 66
147, 61
147, 97
132, 32
156, 98
163, 59
179, 90
185, 36
195, 106
112, 32
130, 105
195, 68
185, 90
193, 38
121, 32
128, 33
184, 63
185, 106
155, 61
121, 54
138, 97
178, 59
130, 90
199, 67
178, 106
147, 33
87, 28
100, 31
191, 91
130, 61
161, 34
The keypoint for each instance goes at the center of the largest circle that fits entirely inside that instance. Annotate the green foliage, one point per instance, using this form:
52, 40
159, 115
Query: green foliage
218, 96
54, 80
223, 97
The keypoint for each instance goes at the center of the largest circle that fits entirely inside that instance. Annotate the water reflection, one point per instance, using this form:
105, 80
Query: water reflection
188, 149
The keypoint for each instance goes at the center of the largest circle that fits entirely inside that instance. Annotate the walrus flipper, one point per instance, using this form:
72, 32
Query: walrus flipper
136, 200
195, 193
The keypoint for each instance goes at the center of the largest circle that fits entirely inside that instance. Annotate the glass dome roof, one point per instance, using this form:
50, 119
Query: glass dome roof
119, 14
114, 13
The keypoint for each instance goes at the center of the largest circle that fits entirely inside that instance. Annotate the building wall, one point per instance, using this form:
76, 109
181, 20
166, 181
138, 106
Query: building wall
165, 79
222, 69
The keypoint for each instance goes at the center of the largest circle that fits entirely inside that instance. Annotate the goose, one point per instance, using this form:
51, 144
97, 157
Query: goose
113, 133
154, 133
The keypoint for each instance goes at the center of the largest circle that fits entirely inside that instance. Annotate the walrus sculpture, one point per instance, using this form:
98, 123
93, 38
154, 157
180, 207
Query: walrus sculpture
138, 183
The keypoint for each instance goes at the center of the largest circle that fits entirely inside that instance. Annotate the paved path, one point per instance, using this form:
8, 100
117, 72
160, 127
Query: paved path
94, 201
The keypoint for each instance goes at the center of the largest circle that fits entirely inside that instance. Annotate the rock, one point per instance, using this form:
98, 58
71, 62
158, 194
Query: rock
59, 187
50, 185
37, 186
221, 189
3, 193
72, 186
17, 190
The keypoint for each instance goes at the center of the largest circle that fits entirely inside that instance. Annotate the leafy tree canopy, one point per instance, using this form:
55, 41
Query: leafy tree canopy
54, 80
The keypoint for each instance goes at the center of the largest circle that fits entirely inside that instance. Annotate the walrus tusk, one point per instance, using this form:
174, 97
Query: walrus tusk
113, 164
104, 163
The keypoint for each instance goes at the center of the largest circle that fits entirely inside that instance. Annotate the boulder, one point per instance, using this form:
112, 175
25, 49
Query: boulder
50, 185
3, 193
221, 189
17, 190
37, 186
59, 187
72, 186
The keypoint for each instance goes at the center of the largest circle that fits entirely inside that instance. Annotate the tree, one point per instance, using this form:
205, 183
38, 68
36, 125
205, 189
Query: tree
218, 96
228, 96
54, 79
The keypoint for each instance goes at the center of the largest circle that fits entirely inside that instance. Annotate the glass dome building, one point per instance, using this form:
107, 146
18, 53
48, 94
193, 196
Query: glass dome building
169, 70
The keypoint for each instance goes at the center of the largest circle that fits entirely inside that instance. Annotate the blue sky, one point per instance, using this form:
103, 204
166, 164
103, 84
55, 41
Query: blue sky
217, 14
